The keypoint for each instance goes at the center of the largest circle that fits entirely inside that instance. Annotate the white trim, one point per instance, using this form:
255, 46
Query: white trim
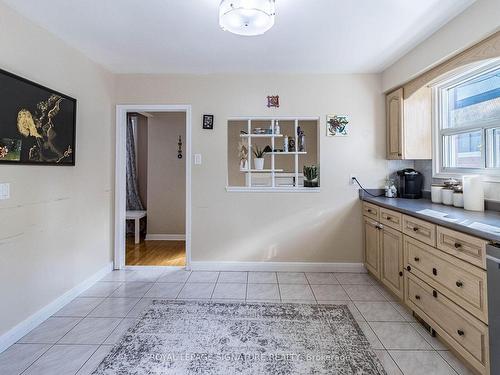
278, 266
120, 178
165, 237
154, 268
15, 333
439, 118
269, 189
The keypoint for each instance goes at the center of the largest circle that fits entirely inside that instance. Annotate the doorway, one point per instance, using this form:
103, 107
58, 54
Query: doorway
157, 248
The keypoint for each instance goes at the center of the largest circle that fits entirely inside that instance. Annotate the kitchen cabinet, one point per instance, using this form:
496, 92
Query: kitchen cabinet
439, 273
409, 121
372, 239
392, 260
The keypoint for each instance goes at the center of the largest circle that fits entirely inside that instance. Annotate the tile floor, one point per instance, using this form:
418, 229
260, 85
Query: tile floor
79, 336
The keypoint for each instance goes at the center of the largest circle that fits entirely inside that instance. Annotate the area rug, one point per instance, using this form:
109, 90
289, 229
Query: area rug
177, 337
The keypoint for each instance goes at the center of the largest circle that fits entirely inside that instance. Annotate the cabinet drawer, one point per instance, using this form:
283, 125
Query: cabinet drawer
419, 229
371, 210
390, 218
461, 282
463, 246
461, 330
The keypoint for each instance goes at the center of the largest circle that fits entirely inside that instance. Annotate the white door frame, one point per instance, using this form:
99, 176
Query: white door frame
120, 175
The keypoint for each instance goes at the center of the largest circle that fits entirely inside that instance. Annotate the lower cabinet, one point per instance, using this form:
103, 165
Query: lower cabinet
439, 273
372, 252
392, 260
465, 333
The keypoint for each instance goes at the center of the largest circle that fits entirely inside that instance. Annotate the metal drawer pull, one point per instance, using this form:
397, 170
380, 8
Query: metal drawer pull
417, 259
434, 272
459, 284
457, 245
388, 218
408, 268
369, 210
415, 229
435, 293
417, 296
400, 273
460, 332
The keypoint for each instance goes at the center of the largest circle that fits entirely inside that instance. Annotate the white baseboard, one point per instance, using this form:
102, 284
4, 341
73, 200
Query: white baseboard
278, 266
21, 329
165, 237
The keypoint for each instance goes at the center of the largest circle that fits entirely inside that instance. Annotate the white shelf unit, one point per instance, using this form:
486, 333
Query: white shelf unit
249, 136
260, 170
261, 135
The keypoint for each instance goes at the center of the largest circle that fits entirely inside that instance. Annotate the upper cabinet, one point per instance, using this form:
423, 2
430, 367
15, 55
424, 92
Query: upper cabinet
409, 124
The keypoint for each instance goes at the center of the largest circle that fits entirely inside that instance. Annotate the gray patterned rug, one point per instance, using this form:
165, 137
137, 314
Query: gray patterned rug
176, 337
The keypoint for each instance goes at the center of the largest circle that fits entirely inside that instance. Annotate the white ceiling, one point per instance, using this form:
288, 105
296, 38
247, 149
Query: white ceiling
183, 36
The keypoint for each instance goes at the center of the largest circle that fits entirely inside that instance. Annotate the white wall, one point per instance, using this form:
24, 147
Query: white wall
474, 24
166, 174
55, 231
309, 227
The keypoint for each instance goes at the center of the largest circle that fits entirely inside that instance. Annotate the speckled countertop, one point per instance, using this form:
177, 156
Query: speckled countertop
480, 224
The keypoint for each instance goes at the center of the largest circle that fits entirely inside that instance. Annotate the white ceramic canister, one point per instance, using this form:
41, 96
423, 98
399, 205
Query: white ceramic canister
447, 196
473, 193
458, 199
436, 191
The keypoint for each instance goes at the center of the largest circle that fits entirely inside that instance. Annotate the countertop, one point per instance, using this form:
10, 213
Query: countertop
456, 218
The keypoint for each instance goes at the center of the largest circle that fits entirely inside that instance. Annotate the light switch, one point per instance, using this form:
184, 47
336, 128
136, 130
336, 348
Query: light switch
197, 159
4, 191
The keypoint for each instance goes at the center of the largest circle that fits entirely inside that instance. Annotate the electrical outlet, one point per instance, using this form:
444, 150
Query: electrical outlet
351, 179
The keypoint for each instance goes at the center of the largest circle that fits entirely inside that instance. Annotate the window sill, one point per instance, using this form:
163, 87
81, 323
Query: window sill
244, 189
457, 175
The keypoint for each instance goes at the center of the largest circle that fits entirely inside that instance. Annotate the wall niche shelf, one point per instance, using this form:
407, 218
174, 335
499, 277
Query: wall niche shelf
282, 174
261, 135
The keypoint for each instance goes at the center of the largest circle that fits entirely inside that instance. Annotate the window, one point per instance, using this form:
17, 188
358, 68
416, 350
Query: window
468, 122
272, 154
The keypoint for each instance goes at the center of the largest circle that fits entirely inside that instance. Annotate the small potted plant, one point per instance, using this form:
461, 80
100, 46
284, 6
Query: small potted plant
311, 176
259, 158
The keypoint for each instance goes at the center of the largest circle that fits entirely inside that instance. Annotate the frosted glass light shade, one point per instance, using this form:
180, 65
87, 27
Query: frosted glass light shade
247, 17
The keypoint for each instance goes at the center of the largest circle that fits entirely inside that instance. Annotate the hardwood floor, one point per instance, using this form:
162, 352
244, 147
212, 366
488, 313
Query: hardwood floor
155, 253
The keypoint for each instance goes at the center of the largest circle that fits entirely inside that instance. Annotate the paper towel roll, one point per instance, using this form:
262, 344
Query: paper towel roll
473, 193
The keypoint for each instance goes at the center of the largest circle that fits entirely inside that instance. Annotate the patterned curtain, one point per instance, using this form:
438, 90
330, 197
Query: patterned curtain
133, 198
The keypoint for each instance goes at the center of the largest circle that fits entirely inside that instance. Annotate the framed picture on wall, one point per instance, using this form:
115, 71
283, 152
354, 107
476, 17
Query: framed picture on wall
37, 124
208, 122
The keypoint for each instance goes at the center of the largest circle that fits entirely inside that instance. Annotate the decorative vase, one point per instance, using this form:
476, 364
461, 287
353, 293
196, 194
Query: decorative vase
243, 165
258, 163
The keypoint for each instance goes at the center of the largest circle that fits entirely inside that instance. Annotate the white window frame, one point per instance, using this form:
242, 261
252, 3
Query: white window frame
439, 120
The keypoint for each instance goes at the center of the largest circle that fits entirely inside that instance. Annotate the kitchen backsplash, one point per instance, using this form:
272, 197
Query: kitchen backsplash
491, 189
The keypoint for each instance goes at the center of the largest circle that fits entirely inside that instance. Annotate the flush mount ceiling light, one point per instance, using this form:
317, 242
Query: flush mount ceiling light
247, 17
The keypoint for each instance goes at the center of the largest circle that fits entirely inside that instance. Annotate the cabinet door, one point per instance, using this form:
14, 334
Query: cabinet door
391, 260
394, 114
372, 252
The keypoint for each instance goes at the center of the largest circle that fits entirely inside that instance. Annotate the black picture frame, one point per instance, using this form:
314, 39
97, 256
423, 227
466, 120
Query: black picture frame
37, 122
208, 122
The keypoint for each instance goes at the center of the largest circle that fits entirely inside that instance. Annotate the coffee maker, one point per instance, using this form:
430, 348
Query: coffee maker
410, 183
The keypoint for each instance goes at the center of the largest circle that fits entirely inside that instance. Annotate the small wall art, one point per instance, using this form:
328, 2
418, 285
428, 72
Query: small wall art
208, 122
337, 125
273, 101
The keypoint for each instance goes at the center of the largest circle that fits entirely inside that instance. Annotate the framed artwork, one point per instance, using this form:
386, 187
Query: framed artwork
273, 101
208, 122
37, 124
337, 125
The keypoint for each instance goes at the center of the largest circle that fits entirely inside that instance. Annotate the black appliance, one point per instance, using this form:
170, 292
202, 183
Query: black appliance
410, 183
